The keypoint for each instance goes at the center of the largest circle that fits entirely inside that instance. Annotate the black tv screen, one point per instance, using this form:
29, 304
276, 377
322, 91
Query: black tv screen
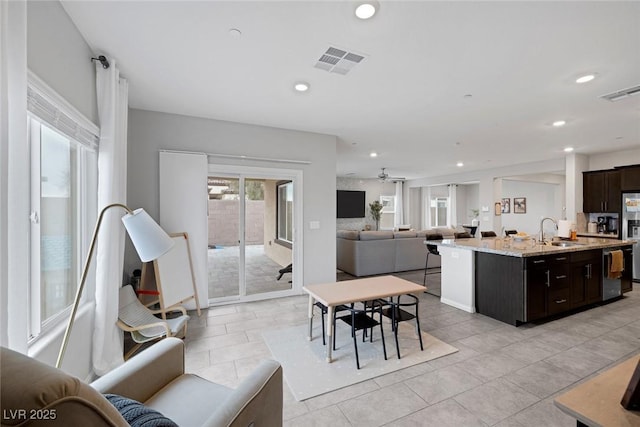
350, 204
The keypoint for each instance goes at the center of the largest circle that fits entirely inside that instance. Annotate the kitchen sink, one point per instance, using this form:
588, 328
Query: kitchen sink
566, 244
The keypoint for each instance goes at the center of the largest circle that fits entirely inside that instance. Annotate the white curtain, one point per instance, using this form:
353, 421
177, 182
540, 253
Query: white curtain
112, 93
452, 213
399, 216
14, 176
427, 207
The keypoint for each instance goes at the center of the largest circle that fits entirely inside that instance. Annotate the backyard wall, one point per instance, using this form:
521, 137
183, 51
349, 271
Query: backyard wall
224, 220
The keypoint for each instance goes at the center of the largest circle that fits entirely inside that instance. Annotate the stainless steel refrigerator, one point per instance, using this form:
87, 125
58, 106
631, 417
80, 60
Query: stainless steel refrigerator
631, 227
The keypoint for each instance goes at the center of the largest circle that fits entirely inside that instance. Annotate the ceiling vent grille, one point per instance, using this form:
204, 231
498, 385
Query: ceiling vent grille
338, 61
621, 94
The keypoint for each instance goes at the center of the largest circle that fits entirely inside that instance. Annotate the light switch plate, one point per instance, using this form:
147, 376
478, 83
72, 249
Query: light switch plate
314, 225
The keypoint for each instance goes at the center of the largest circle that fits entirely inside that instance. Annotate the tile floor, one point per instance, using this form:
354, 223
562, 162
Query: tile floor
502, 375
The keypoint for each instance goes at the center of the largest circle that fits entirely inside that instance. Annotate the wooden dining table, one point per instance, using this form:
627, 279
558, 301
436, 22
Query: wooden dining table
351, 291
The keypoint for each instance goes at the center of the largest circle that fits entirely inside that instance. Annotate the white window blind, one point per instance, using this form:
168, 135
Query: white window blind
55, 111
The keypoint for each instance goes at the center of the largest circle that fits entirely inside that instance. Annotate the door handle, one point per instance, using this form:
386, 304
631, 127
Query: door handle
548, 273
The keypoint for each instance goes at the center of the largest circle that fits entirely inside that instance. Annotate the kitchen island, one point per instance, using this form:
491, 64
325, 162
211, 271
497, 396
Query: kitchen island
519, 280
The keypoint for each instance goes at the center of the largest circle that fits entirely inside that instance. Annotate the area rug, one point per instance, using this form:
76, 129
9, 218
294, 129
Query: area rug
308, 374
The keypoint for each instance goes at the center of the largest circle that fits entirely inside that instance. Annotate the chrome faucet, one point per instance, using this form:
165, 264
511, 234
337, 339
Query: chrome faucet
542, 229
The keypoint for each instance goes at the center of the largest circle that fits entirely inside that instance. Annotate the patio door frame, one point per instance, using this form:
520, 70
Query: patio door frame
250, 172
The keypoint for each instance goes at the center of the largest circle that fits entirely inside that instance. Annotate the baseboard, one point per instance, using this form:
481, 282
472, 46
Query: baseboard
455, 304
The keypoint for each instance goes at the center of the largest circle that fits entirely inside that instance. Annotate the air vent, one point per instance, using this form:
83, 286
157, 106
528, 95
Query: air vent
621, 94
335, 60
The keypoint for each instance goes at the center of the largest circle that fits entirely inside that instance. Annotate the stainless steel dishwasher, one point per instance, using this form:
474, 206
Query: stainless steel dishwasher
611, 288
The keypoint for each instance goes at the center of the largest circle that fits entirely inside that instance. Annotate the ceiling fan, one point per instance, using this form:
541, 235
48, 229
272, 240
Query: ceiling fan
384, 176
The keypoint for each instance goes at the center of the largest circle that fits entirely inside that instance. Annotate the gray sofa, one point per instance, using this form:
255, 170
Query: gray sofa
154, 377
365, 253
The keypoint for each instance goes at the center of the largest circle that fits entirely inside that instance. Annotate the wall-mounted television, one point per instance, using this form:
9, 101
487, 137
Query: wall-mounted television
350, 204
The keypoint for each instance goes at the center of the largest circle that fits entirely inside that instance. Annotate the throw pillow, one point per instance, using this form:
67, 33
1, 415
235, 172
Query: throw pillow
138, 415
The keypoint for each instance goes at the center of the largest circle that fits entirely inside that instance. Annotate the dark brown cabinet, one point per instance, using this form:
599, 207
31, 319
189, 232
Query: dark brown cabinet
602, 191
630, 178
586, 278
627, 274
538, 276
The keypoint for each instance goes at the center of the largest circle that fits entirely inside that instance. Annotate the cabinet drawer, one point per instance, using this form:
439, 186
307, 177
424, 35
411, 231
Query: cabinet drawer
558, 301
559, 277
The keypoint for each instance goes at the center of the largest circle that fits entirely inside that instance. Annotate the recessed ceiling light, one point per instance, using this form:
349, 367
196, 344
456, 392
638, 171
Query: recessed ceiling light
586, 78
459, 164
366, 10
559, 123
373, 154
301, 86
568, 149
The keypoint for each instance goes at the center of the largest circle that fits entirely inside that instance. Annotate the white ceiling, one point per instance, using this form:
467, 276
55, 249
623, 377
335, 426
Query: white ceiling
406, 100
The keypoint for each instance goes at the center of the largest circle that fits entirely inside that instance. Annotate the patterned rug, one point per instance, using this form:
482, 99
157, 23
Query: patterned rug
308, 374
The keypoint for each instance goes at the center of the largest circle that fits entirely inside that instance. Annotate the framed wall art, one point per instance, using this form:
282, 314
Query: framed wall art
520, 205
506, 205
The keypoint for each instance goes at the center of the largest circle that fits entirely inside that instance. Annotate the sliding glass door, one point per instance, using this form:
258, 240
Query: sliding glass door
251, 235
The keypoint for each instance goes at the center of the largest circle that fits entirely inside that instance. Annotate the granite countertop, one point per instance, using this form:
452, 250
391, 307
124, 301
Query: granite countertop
604, 235
528, 248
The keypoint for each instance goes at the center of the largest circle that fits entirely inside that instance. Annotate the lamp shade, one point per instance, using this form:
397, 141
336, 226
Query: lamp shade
149, 239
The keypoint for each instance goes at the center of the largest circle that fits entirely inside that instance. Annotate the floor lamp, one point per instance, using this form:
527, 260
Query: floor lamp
149, 239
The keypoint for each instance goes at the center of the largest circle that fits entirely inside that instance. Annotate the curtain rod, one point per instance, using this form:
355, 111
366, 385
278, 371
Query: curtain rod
241, 157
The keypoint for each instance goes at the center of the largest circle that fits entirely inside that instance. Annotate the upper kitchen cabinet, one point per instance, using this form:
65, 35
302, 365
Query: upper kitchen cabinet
630, 178
602, 191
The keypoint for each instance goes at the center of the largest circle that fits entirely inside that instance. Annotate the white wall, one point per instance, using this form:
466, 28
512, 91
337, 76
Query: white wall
374, 189
543, 200
616, 158
58, 54
150, 132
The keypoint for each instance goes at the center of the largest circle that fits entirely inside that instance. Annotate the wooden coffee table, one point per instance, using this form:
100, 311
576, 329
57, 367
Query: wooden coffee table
352, 291
597, 402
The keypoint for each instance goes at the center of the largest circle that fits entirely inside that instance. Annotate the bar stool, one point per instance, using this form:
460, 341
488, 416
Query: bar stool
488, 233
431, 249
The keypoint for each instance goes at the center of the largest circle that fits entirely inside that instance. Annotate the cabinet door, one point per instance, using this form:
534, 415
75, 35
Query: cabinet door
630, 178
593, 191
579, 273
613, 200
594, 280
627, 274
538, 276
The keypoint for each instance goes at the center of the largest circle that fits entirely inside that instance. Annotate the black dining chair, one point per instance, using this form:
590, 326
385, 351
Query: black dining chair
488, 233
324, 309
431, 249
362, 319
397, 314
507, 233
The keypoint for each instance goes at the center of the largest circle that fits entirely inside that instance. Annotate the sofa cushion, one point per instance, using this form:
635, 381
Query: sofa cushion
138, 415
376, 235
348, 234
202, 397
404, 234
